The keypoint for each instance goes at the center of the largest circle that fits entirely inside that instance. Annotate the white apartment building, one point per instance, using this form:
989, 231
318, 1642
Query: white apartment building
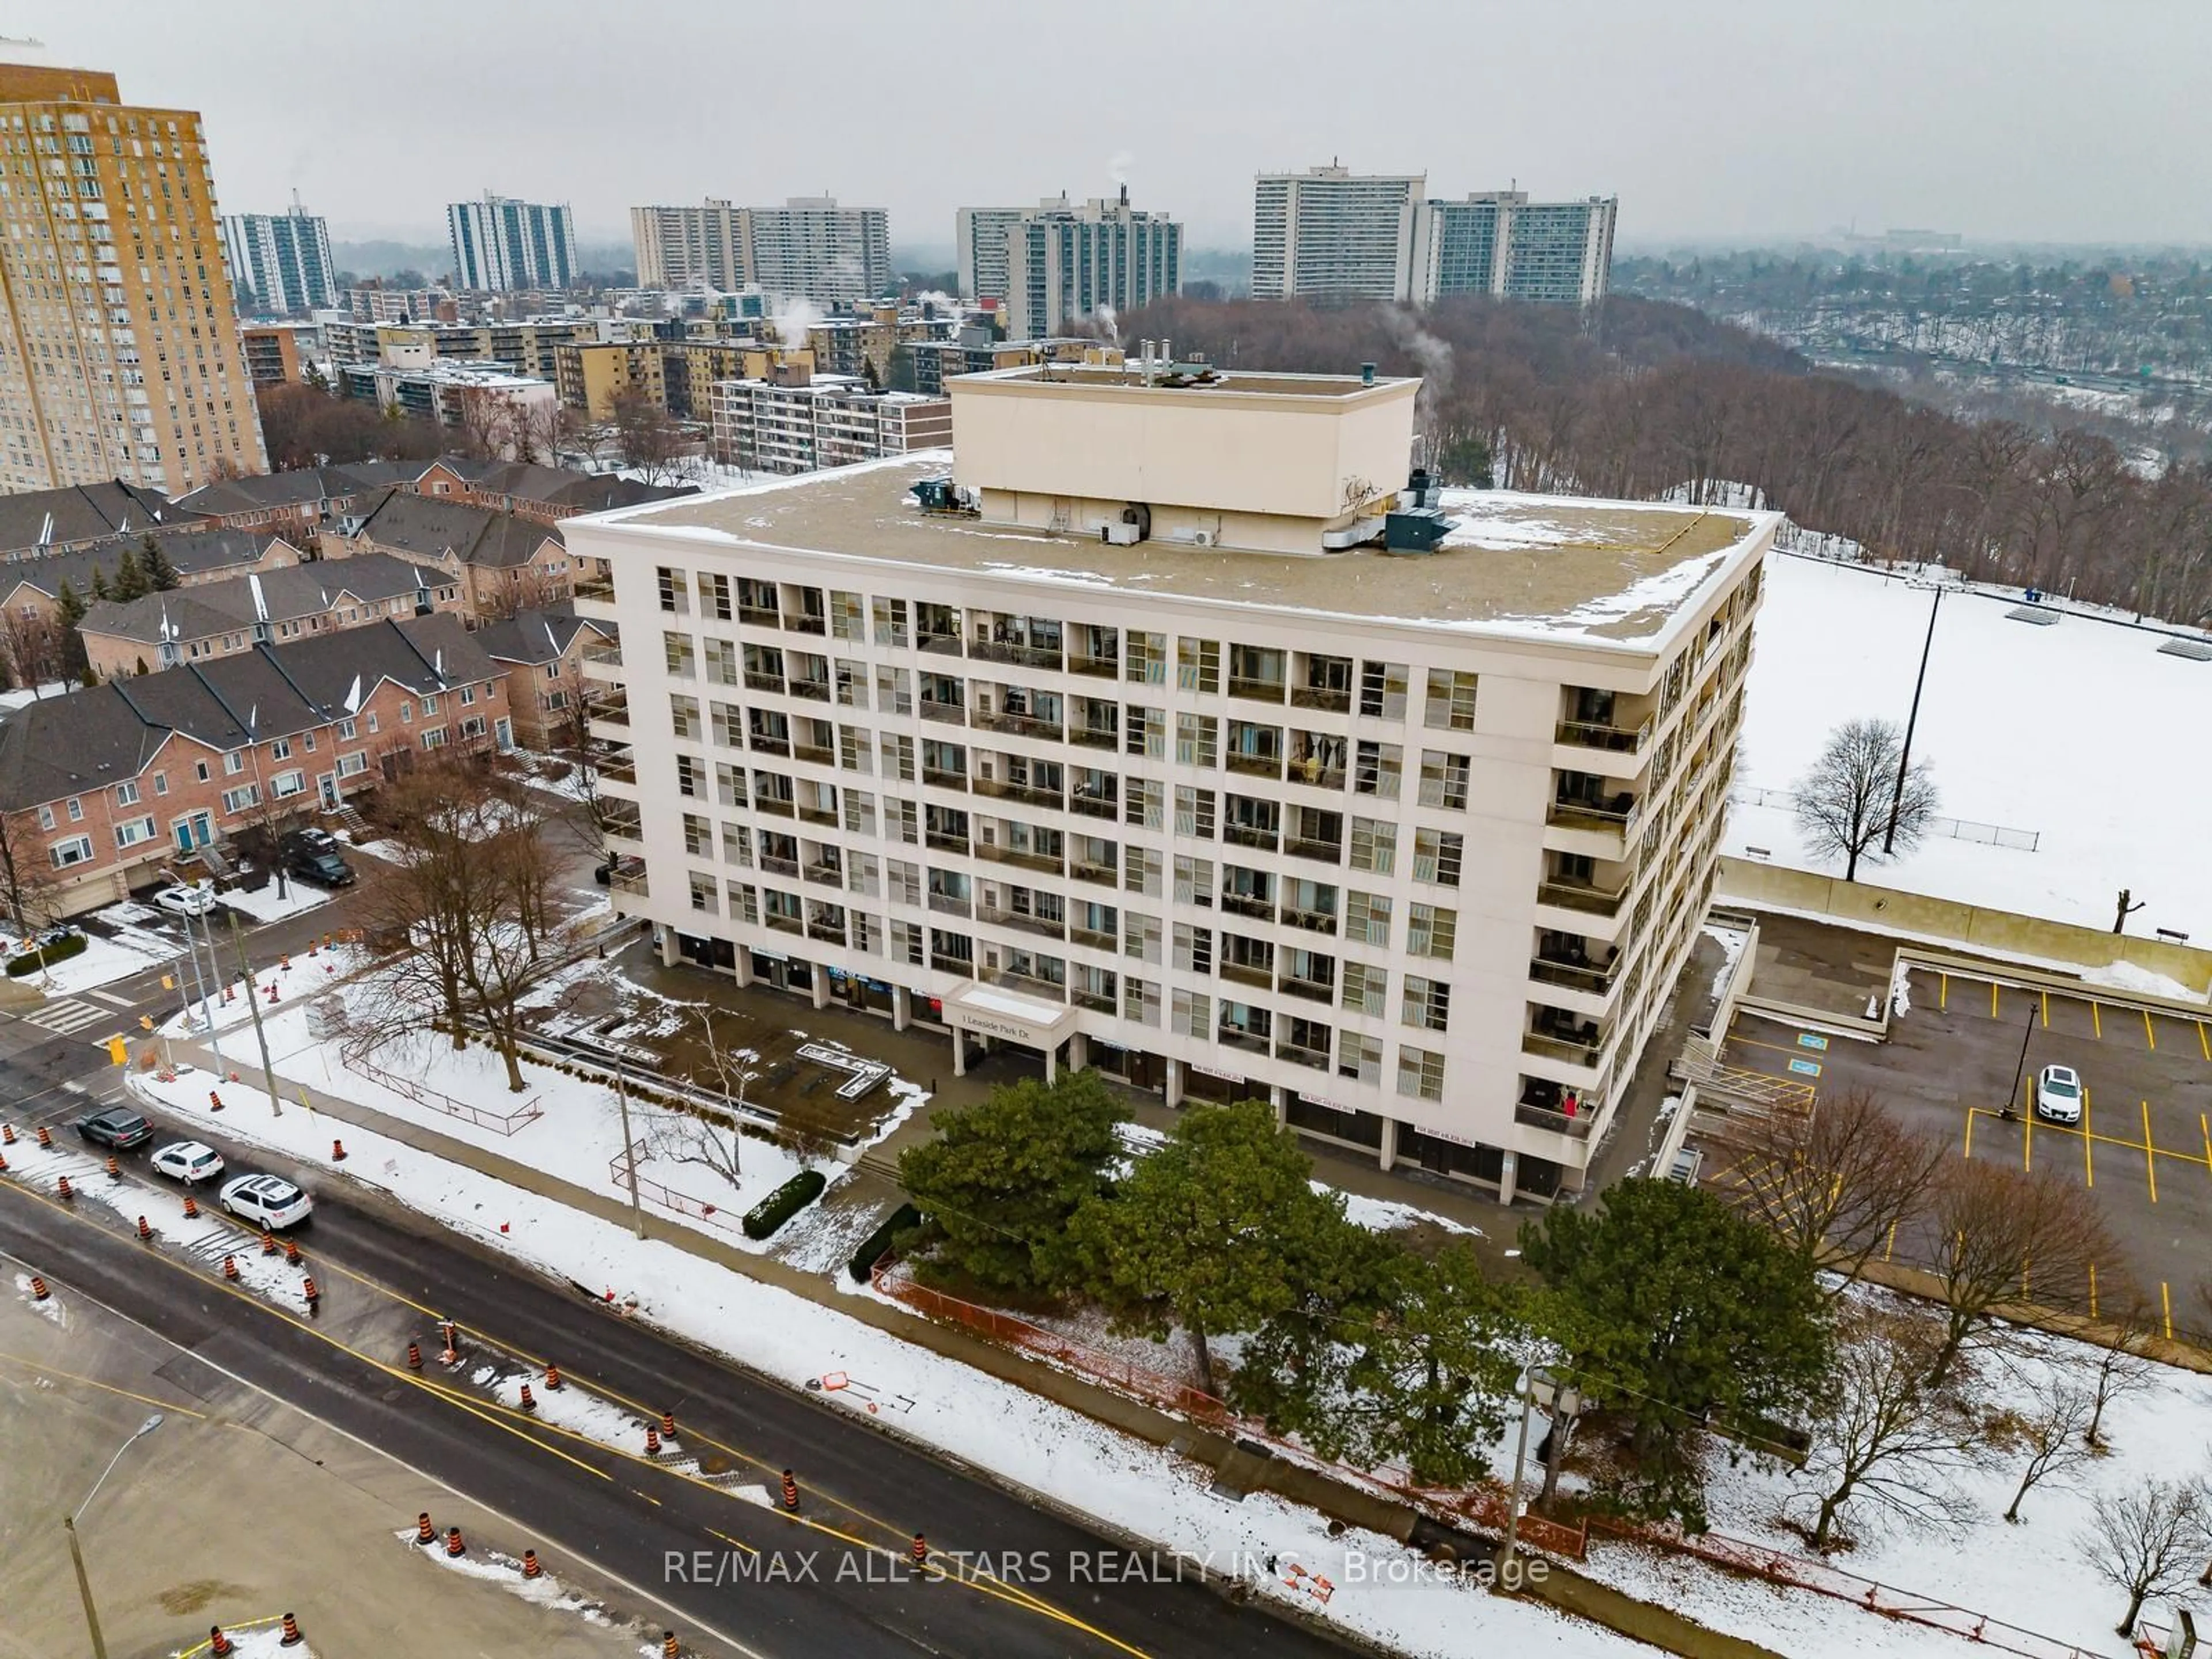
1328, 234
1069, 262
1120, 736
283, 259
979, 239
710, 245
812, 248
799, 422
499, 244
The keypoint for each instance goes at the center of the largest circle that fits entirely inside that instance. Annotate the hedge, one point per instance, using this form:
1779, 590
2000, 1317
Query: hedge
61, 950
784, 1202
871, 1251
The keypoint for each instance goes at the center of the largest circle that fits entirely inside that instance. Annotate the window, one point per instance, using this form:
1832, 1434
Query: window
1359, 1057
75, 850
1198, 665
1443, 779
1140, 936
845, 622
1194, 810
698, 837
238, 799
1146, 660
1374, 846
683, 716
1194, 948
126, 793
1194, 882
435, 738
675, 591
729, 784
1366, 918
705, 893
285, 785
1365, 989
1430, 931
1426, 1005
473, 726
1376, 769
468, 701
891, 621
1193, 1014
1197, 740
131, 831
714, 597
1437, 856
406, 714
160, 783
680, 655
352, 765
1382, 689
280, 749
1420, 1073
691, 776
721, 661
372, 728
45, 818
1145, 731
429, 708
1450, 703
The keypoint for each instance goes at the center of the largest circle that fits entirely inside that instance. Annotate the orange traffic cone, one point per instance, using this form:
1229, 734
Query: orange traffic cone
114, 1169
62, 1189
45, 1138
424, 1532
338, 1152
291, 1254
214, 1101
454, 1545
530, 1567
191, 1207
652, 1440
414, 1356
669, 1649
291, 1638
268, 1242
790, 1493
668, 1424
552, 1377
529, 1400
38, 1291
7, 1134
144, 1232
217, 1642
307, 1290
230, 1267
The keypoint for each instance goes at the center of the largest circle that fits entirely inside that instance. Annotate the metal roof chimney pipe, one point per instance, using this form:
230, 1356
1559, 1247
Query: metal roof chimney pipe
1367, 374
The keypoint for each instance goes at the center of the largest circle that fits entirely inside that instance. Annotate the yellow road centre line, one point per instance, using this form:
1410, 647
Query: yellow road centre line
2028, 1143
2205, 1128
2093, 1290
2150, 1154
1968, 1149
107, 1387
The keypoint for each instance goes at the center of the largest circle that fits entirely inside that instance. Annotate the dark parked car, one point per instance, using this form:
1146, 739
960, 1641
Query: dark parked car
323, 869
118, 1127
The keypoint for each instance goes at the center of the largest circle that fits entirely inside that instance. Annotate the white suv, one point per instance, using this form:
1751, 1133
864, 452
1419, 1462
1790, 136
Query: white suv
2058, 1094
266, 1200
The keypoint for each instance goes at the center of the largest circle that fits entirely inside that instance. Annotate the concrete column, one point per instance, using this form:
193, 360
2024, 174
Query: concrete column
670, 954
818, 987
902, 1008
1078, 1051
1051, 1062
1389, 1154
1275, 1099
1507, 1176
1173, 1085
743, 967
960, 1053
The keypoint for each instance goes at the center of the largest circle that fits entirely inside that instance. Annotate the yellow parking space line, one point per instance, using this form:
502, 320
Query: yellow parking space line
2150, 1154
2046, 995
1889, 1249
2027, 1144
1968, 1149
2093, 1290
2096, 1019
2202, 1040
2088, 1163
2165, 1299
1943, 995
2148, 1031
2205, 1128
1993, 999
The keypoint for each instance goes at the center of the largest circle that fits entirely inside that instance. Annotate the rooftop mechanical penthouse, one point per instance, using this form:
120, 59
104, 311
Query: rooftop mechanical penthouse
1171, 724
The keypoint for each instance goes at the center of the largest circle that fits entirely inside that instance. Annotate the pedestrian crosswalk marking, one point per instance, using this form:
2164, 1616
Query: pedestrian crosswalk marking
67, 1016
113, 1000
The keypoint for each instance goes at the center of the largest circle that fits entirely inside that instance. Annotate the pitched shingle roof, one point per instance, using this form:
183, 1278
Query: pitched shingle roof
55, 518
58, 746
192, 552
305, 590
431, 528
300, 487
558, 486
534, 637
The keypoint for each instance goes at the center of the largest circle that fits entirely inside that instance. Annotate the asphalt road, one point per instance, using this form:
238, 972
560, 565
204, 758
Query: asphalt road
865, 1493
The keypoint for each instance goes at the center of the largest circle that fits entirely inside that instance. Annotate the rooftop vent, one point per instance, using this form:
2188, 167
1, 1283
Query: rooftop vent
1415, 530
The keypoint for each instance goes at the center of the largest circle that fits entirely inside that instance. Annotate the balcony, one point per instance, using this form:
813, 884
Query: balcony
1582, 896
1302, 847
938, 643
1250, 834
1028, 984
1098, 1002
953, 966
1030, 793
1236, 1037
829, 932
1097, 668
1094, 737
761, 743
593, 590
1255, 690
950, 904
776, 806
819, 754
1256, 766
1591, 734
756, 616
944, 842
825, 875
943, 779
813, 690
1248, 904
806, 622
1614, 813
1105, 875
783, 923
1557, 1035
621, 821
618, 766
1313, 990
757, 680
945, 713
1048, 863
1021, 921
1094, 806
1259, 975
1576, 1125
628, 877
1316, 773
1298, 1054
608, 703
825, 816
1028, 656
778, 867
1313, 922
598, 662
1096, 940
1026, 725
1576, 973
1323, 697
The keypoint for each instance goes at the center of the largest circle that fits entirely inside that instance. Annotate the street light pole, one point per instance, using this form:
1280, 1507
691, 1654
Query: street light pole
2021, 1070
253, 1007
1904, 756
630, 1150
77, 1550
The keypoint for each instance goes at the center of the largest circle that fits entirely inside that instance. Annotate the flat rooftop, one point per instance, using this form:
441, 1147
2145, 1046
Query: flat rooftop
1219, 382
1530, 567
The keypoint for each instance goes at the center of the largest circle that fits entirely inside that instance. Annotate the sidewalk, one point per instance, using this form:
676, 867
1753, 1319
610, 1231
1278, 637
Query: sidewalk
1338, 1501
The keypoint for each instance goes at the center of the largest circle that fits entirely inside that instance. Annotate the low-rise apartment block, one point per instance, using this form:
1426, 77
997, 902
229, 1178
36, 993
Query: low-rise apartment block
542, 653
31, 587
1168, 727
103, 788
799, 422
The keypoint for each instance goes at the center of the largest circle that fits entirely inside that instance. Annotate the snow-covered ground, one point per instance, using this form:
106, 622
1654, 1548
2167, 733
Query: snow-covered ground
133, 948
2067, 731
1139, 1489
264, 905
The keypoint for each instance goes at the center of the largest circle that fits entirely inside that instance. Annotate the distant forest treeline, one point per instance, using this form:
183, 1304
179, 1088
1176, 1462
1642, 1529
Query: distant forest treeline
1639, 397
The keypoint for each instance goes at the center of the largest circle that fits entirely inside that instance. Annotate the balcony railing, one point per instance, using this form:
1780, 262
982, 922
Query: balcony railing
761, 743
778, 867
1028, 656
757, 680
1255, 766
953, 966
618, 769
1094, 938
611, 704
623, 826
783, 924
1575, 976
1577, 1125
1105, 875
950, 904
1249, 973
825, 816
1027, 726
1249, 835
754, 616
1095, 807
829, 932
943, 779
946, 842
1319, 696
1020, 859
1580, 895
946, 713
1098, 668
1023, 921
1305, 847
1615, 813
1001, 789
1029, 985
1313, 922
776, 806
1256, 691
1593, 734
1576, 1051
594, 588
1315, 774
1094, 737
1248, 904
826, 875
821, 754
1300, 1055
629, 881
1237, 1037
1314, 990
939, 645
813, 691
1098, 1002
806, 623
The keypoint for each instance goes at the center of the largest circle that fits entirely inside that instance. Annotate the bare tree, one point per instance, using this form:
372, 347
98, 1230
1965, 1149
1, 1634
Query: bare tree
28, 880
33, 646
1846, 802
646, 436
485, 422
2145, 1540
525, 587
2123, 1366
1990, 1228
1886, 1439
693, 1138
2051, 1432
1834, 1182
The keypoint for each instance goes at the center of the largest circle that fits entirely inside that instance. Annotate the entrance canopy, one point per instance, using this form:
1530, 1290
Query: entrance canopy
991, 1011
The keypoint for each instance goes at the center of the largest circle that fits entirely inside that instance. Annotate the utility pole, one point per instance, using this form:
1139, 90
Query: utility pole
629, 1150
1904, 755
253, 1007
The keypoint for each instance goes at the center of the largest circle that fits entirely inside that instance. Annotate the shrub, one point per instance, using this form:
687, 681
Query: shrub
61, 950
903, 1219
784, 1202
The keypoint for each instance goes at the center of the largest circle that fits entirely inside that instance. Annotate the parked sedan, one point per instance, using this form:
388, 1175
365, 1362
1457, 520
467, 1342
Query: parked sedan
2058, 1094
181, 901
266, 1200
189, 1162
116, 1127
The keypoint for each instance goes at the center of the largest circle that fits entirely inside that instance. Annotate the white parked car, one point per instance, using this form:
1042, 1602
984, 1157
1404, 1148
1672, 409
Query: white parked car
266, 1200
193, 901
2058, 1094
189, 1162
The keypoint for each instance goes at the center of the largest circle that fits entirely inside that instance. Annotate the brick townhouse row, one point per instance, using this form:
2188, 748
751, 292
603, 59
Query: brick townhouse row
103, 789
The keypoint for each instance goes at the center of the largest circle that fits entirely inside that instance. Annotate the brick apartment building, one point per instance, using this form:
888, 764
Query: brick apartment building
103, 788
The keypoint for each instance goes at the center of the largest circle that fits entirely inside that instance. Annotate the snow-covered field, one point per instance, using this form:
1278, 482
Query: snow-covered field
1140, 1490
2070, 730
134, 949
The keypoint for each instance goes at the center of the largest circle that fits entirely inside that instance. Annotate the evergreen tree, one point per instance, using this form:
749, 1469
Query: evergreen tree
1002, 1179
1295, 1372
1674, 1310
71, 608
1434, 1382
131, 581
99, 587
161, 575
1204, 1232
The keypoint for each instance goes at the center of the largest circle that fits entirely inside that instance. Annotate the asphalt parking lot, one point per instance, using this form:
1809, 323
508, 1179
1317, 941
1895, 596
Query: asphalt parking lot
1968, 1045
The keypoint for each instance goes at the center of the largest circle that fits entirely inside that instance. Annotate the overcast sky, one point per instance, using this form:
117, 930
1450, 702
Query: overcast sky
2008, 120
